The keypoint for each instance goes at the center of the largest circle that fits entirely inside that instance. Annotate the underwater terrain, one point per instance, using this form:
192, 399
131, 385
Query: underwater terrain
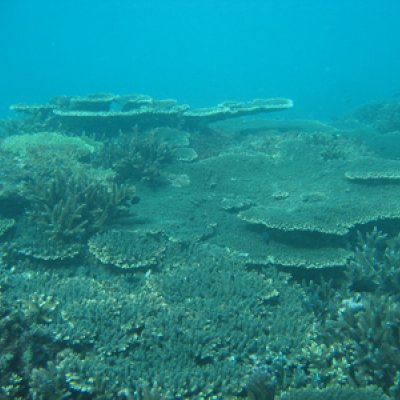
153, 251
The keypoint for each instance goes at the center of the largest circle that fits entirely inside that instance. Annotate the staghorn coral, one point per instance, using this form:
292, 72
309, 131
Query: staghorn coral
333, 146
5, 225
356, 337
12, 176
24, 347
96, 335
146, 393
261, 386
72, 204
137, 157
365, 335
375, 263
384, 116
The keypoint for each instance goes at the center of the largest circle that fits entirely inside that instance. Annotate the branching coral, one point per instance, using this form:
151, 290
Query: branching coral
73, 204
368, 336
137, 157
358, 343
384, 116
375, 263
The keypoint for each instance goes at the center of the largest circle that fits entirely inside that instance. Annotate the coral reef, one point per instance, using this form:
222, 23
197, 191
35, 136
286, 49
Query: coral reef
374, 267
114, 113
337, 393
5, 225
139, 157
366, 332
30, 145
99, 335
358, 341
12, 178
261, 386
129, 249
187, 297
383, 116
144, 156
73, 204
34, 242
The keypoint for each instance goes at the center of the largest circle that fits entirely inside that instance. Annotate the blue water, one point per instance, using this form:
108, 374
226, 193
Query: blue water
328, 56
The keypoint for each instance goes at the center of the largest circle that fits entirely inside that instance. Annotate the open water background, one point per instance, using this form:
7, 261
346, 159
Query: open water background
329, 56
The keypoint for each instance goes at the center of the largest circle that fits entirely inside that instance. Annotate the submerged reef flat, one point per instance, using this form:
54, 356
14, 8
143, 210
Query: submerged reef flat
151, 251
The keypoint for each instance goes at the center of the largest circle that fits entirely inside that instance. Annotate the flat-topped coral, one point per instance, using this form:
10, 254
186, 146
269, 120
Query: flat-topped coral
232, 109
129, 249
92, 102
284, 255
296, 220
370, 170
23, 146
35, 244
297, 193
111, 113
